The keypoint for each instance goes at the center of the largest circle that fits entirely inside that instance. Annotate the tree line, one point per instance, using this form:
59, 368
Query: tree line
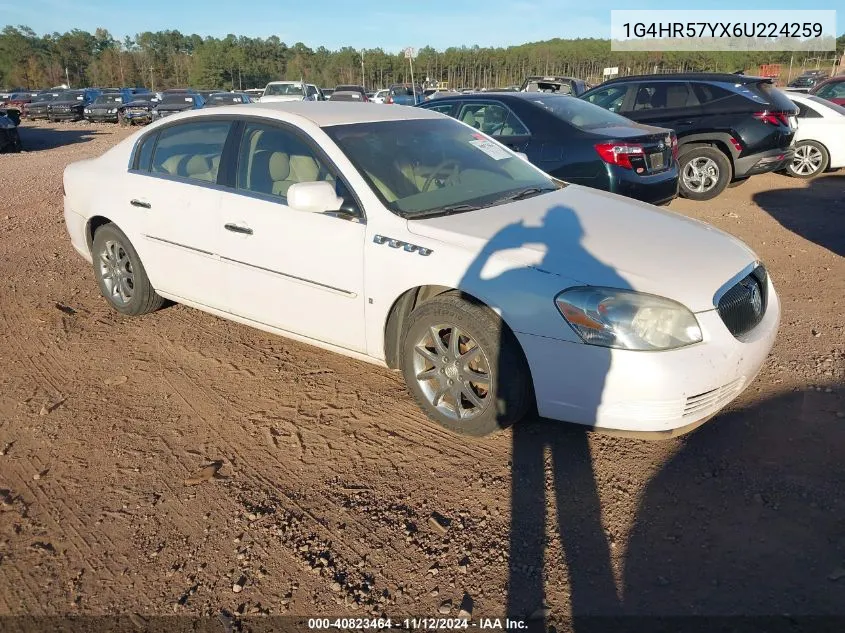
167, 59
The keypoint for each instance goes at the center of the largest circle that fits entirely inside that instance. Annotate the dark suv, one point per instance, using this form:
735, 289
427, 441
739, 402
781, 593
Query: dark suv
729, 127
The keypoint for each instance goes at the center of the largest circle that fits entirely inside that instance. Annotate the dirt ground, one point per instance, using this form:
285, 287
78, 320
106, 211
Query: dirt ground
329, 475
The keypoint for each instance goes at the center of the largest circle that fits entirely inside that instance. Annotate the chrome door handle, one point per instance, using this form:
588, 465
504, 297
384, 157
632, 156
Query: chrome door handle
140, 203
237, 228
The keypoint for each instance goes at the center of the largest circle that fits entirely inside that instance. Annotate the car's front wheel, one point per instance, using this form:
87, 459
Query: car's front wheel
464, 367
705, 172
121, 275
810, 160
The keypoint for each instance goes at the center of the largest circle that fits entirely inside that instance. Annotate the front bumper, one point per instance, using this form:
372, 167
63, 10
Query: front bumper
763, 162
649, 392
101, 117
71, 115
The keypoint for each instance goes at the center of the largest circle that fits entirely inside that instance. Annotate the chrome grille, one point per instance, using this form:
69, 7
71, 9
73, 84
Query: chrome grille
743, 306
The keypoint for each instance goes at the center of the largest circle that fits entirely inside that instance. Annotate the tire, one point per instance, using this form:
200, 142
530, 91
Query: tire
113, 253
705, 172
500, 399
811, 160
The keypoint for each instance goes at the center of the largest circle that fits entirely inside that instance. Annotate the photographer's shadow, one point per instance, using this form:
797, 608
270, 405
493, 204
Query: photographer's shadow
586, 555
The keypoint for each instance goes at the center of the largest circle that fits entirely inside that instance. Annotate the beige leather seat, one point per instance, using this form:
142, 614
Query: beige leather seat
199, 168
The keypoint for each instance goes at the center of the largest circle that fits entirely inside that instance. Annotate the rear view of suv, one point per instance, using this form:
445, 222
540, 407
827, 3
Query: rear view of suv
729, 127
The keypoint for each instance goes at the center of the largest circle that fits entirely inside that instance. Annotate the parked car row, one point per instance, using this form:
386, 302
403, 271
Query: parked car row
718, 130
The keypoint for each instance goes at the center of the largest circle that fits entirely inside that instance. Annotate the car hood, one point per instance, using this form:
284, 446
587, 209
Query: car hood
598, 238
279, 98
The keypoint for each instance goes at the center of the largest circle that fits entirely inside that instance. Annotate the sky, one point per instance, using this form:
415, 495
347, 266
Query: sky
391, 25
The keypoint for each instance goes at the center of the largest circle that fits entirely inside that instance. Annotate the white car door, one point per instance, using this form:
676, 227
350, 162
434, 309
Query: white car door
172, 193
296, 271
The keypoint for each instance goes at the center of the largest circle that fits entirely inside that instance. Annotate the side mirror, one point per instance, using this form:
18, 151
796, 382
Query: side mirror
314, 197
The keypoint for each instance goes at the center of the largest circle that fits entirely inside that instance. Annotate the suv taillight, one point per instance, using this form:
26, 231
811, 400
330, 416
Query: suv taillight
773, 118
674, 147
619, 153
388, 99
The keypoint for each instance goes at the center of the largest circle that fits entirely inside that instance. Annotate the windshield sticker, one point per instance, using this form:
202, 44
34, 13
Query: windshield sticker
490, 148
188, 99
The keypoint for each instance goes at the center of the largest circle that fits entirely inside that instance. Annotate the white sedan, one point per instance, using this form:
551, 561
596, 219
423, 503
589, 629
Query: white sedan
820, 139
403, 237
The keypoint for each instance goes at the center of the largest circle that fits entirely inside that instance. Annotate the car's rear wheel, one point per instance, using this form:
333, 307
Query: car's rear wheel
810, 160
705, 172
121, 275
464, 367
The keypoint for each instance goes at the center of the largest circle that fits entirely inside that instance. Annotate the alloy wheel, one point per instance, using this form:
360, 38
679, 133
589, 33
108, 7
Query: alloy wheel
807, 161
116, 272
700, 174
453, 372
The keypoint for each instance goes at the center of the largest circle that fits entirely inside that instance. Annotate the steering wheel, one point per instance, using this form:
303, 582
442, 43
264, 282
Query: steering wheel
456, 166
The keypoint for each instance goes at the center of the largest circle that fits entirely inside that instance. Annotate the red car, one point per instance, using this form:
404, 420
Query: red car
832, 89
18, 99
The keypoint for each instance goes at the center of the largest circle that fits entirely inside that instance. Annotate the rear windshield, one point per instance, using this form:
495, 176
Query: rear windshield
109, 98
549, 87
41, 98
577, 112
349, 89
225, 98
776, 97
283, 89
171, 99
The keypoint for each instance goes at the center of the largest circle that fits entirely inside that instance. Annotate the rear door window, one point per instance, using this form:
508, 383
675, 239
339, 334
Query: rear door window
663, 95
191, 150
493, 119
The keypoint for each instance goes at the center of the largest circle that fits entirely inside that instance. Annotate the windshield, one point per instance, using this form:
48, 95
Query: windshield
109, 98
804, 81
42, 98
283, 89
71, 95
176, 98
581, 114
424, 167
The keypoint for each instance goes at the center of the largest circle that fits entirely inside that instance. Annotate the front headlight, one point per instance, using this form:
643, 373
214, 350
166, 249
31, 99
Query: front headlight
113, 111
87, 111
625, 319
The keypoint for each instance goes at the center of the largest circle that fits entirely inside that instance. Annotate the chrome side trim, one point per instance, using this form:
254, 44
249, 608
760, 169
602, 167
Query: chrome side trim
310, 282
178, 245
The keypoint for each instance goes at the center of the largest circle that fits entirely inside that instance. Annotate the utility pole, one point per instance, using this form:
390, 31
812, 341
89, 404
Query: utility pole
363, 83
152, 79
67, 77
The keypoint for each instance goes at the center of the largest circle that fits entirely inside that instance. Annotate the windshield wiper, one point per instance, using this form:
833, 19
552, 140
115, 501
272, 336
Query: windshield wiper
526, 193
441, 211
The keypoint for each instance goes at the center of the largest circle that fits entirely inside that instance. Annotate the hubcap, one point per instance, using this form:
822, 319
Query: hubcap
807, 160
453, 372
701, 174
116, 272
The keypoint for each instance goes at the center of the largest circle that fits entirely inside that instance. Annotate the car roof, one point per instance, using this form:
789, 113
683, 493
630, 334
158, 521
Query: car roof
522, 96
326, 113
725, 77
